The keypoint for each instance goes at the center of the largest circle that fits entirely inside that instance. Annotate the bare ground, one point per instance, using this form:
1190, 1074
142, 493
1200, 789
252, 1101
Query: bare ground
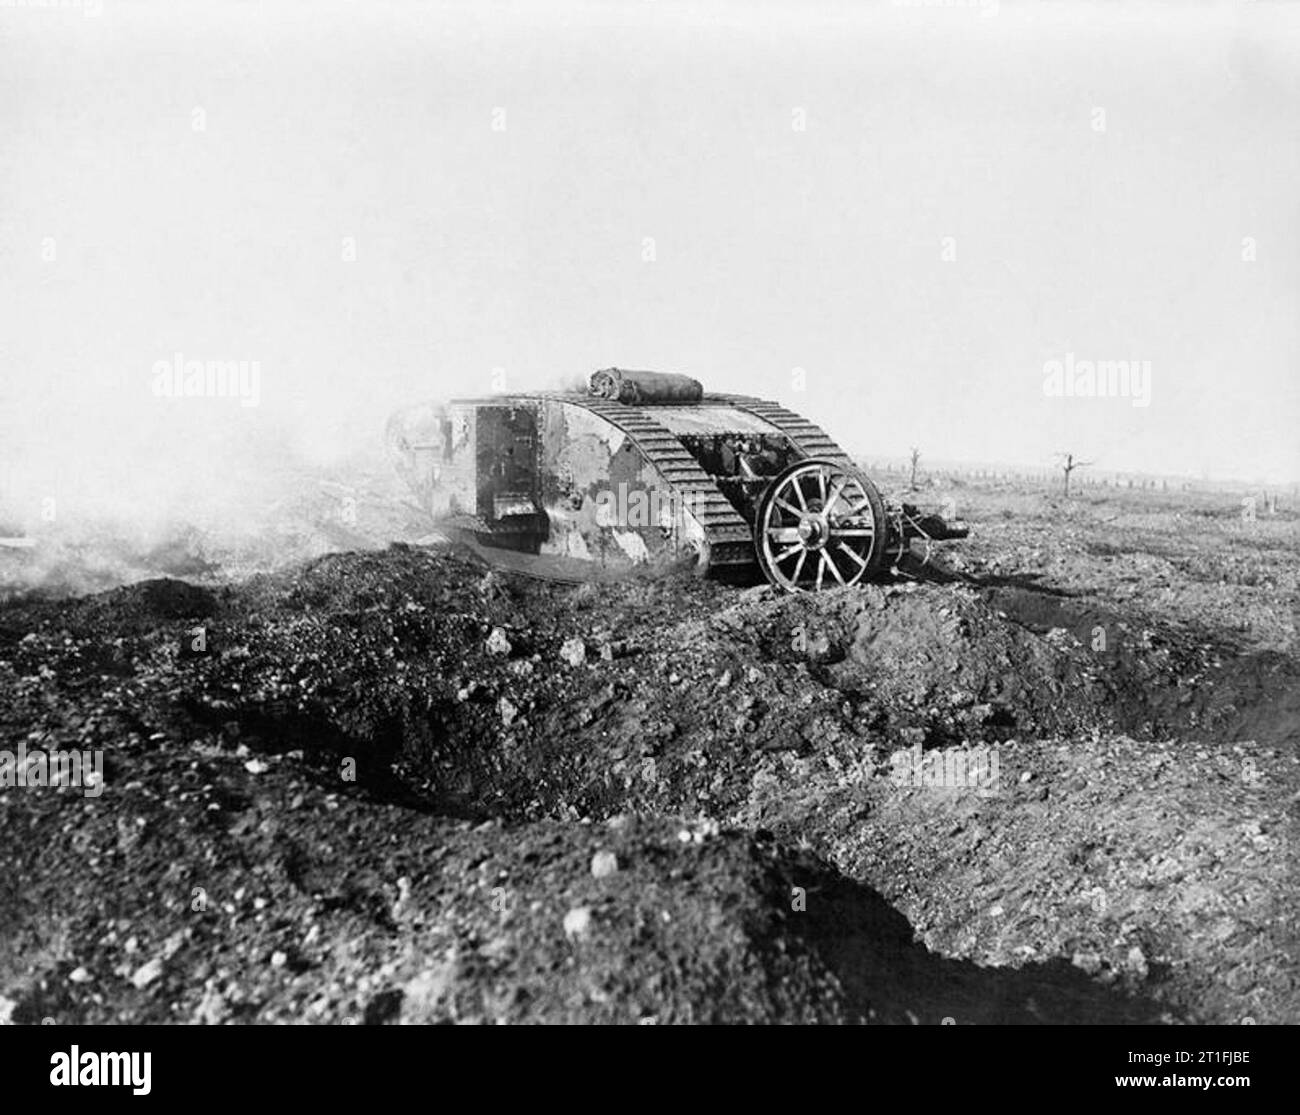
389, 791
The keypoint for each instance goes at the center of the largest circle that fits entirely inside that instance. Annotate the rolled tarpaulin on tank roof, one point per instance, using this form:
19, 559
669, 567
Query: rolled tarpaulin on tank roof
645, 387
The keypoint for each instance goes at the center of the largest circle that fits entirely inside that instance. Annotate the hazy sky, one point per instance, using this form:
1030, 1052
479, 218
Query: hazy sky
918, 206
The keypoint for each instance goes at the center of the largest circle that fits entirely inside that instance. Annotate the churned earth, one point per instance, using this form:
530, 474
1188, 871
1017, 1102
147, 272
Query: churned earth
1055, 780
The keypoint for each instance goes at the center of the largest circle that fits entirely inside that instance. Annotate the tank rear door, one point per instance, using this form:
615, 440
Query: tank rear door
509, 477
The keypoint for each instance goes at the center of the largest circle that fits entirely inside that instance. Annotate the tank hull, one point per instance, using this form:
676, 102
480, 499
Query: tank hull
589, 486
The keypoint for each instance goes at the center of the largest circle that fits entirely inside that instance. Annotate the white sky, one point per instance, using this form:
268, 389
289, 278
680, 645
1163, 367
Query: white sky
774, 248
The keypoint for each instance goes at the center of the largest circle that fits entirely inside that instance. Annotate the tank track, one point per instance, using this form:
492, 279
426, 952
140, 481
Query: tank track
809, 439
730, 539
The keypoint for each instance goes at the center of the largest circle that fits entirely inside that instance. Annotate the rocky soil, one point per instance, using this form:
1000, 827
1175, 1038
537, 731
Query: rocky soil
390, 785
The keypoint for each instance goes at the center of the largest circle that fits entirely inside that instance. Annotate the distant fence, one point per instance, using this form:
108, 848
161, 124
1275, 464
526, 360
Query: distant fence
1079, 478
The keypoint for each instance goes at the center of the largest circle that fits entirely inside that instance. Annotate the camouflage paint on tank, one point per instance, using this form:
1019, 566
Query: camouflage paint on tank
590, 467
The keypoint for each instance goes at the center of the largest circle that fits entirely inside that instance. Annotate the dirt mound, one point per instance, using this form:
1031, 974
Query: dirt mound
353, 722
166, 598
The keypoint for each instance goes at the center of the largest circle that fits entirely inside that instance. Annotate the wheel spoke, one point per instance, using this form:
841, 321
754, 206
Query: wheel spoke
862, 562
821, 568
792, 550
798, 491
798, 567
821, 487
853, 532
783, 534
837, 488
830, 560
787, 507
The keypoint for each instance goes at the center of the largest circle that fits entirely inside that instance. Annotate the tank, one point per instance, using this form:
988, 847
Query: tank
647, 471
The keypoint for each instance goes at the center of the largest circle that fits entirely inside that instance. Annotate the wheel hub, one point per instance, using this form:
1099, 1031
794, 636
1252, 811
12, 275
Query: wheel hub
812, 532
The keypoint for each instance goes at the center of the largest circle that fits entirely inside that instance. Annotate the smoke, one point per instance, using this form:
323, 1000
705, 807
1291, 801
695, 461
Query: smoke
116, 483
206, 470
572, 383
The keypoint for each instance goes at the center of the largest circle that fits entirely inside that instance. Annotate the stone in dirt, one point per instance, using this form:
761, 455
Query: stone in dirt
577, 923
149, 971
574, 651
